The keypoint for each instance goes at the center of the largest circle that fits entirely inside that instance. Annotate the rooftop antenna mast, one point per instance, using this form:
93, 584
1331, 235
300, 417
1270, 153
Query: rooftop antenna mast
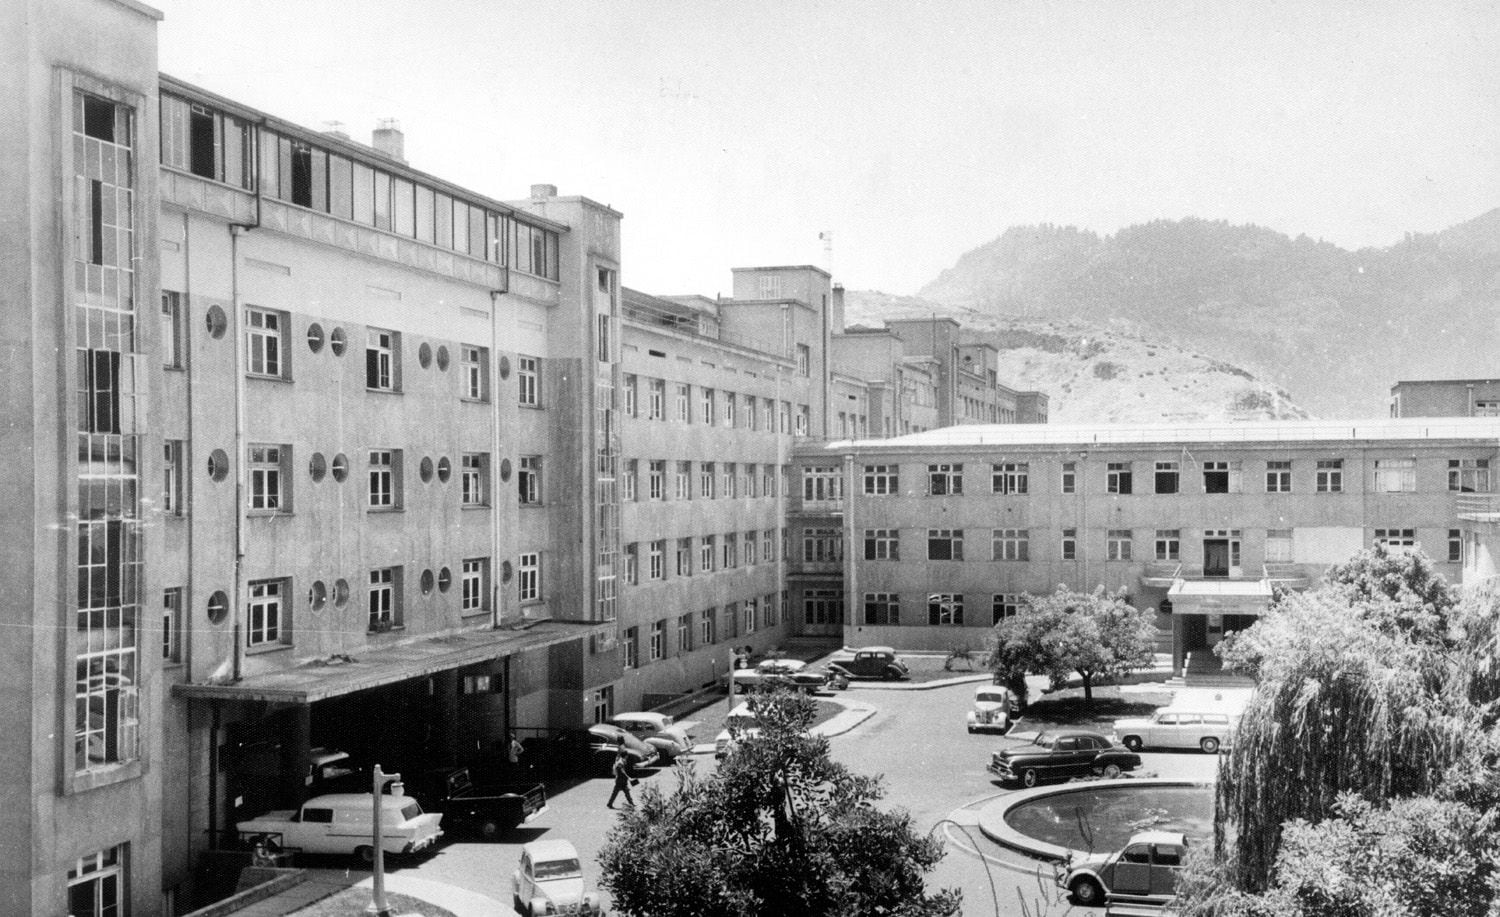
827, 237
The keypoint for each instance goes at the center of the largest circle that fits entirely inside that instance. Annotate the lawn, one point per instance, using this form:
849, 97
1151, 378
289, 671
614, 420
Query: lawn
355, 902
1068, 708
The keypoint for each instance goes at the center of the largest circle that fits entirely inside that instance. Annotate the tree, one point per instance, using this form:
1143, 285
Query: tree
779, 829
1418, 601
1094, 634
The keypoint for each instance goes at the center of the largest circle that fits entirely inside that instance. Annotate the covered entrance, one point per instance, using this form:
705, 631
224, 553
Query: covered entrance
1204, 611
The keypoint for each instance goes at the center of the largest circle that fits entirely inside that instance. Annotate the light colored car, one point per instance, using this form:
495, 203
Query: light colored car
345, 823
1177, 728
609, 739
741, 723
792, 673
549, 880
1144, 872
669, 737
992, 709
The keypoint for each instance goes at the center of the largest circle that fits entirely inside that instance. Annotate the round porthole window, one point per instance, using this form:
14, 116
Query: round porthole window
424, 354
317, 466
426, 469
315, 337
317, 596
341, 593
504, 367
217, 322
505, 469
445, 579
426, 582
218, 464
442, 357
337, 342
445, 468
340, 467
218, 607
505, 572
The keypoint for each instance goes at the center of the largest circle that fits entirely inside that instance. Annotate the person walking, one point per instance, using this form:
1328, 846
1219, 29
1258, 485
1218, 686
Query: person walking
623, 779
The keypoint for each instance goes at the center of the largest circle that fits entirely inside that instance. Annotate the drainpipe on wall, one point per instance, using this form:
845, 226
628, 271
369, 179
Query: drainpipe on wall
497, 615
240, 484
851, 569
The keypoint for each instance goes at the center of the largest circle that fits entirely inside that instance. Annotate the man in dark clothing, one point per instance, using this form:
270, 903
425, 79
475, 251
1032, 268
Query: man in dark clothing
623, 779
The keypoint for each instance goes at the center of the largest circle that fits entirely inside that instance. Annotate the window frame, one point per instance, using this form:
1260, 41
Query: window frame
528, 381
382, 360
265, 344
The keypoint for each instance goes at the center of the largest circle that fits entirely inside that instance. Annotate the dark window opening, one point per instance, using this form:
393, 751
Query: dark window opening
1216, 482
96, 222
202, 152
99, 118
302, 175
1166, 482
103, 405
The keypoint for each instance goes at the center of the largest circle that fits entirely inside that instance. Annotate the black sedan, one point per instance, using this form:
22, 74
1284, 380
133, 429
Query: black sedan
1062, 754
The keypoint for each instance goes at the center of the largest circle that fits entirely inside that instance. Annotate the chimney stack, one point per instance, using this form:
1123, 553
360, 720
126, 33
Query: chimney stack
836, 321
542, 192
389, 140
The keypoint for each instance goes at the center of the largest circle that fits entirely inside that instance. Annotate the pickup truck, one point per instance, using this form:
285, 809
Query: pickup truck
485, 809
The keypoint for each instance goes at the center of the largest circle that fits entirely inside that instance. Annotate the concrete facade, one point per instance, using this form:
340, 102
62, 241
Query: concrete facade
1446, 398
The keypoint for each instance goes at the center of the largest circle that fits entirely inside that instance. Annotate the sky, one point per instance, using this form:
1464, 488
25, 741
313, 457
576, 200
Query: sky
735, 133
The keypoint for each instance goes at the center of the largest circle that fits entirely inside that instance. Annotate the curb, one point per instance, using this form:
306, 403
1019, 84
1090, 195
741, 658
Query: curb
919, 686
461, 902
992, 823
854, 715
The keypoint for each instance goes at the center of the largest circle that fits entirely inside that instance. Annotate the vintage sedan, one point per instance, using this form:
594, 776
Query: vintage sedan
992, 708
1145, 872
1179, 728
669, 737
1071, 753
770, 673
609, 739
870, 662
549, 880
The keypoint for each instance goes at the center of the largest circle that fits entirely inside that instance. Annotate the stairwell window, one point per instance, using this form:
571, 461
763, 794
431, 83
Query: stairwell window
822, 546
1469, 475
1395, 476
1117, 478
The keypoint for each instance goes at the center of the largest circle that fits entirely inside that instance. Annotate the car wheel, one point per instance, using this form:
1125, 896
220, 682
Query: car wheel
891, 675
1132, 742
1029, 777
1086, 891
489, 829
1210, 745
366, 853
515, 902
1110, 771
971, 730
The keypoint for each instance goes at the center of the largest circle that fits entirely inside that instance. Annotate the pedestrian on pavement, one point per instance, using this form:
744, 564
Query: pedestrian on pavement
623, 779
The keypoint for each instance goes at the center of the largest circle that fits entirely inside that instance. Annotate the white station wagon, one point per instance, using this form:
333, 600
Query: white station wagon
344, 823
1179, 728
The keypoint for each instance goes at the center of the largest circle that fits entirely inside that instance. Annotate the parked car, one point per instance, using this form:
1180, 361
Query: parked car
609, 739
870, 662
1144, 872
1177, 728
992, 708
790, 673
345, 823
740, 724
669, 737
549, 880
486, 809
1071, 753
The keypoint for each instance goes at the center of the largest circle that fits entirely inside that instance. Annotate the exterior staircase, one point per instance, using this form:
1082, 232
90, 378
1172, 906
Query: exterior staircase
1204, 669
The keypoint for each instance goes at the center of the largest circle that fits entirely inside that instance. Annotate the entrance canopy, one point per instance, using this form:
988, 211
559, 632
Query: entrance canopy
320, 679
1219, 597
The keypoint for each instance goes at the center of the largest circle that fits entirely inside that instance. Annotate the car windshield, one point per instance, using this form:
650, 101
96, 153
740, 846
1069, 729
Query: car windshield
410, 810
991, 697
557, 869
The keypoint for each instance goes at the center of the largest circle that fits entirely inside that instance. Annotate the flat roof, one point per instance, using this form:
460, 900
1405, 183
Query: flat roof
1224, 588
1250, 431
319, 679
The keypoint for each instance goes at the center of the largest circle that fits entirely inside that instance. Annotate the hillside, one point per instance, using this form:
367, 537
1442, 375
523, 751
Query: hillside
1334, 328
1095, 374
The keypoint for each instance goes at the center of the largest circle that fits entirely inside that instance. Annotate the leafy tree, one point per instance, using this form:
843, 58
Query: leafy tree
1094, 634
778, 829
1419, 600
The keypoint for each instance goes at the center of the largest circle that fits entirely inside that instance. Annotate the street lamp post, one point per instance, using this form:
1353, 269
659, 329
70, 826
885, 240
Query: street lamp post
378, 905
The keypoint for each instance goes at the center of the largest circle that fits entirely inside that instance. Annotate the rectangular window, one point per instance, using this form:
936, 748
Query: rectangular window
728, 476
171, 625
474, 586
602, 700
630, 648
171, 329
1279, 546
747, 548
1279, 476
882, 608
265, 335
747, 615
768, 480
882, 480
1004, 605
684, 557
656, 408
1395, 475
750, 412
731, 552
1455, 546
381, 351
784, 413
882, 544
268, 476
706, 549
804, 360
1330, 476
1167, 474
632, 553
822, 546
681, 398
476, 372
1069, 477
945, 480
945, 608
1009, 478
473, 475
1069, 544
822, 483
1117, 545
751, 478
628, 383
173, 456
529, 577
706, 480
768, 546
945, 544
729, 418
1397, 539
96, 885
656, 567
685, 633
656, 480
528, 381
1117, 478
770, 287
706, 627
385, 599
1168, 544
706, 405
530, 479
1010, 544
628, 480
385, 479
658, 640
803, 420
683, 481
1221, 478
1469, 475
823, 606
768, 412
